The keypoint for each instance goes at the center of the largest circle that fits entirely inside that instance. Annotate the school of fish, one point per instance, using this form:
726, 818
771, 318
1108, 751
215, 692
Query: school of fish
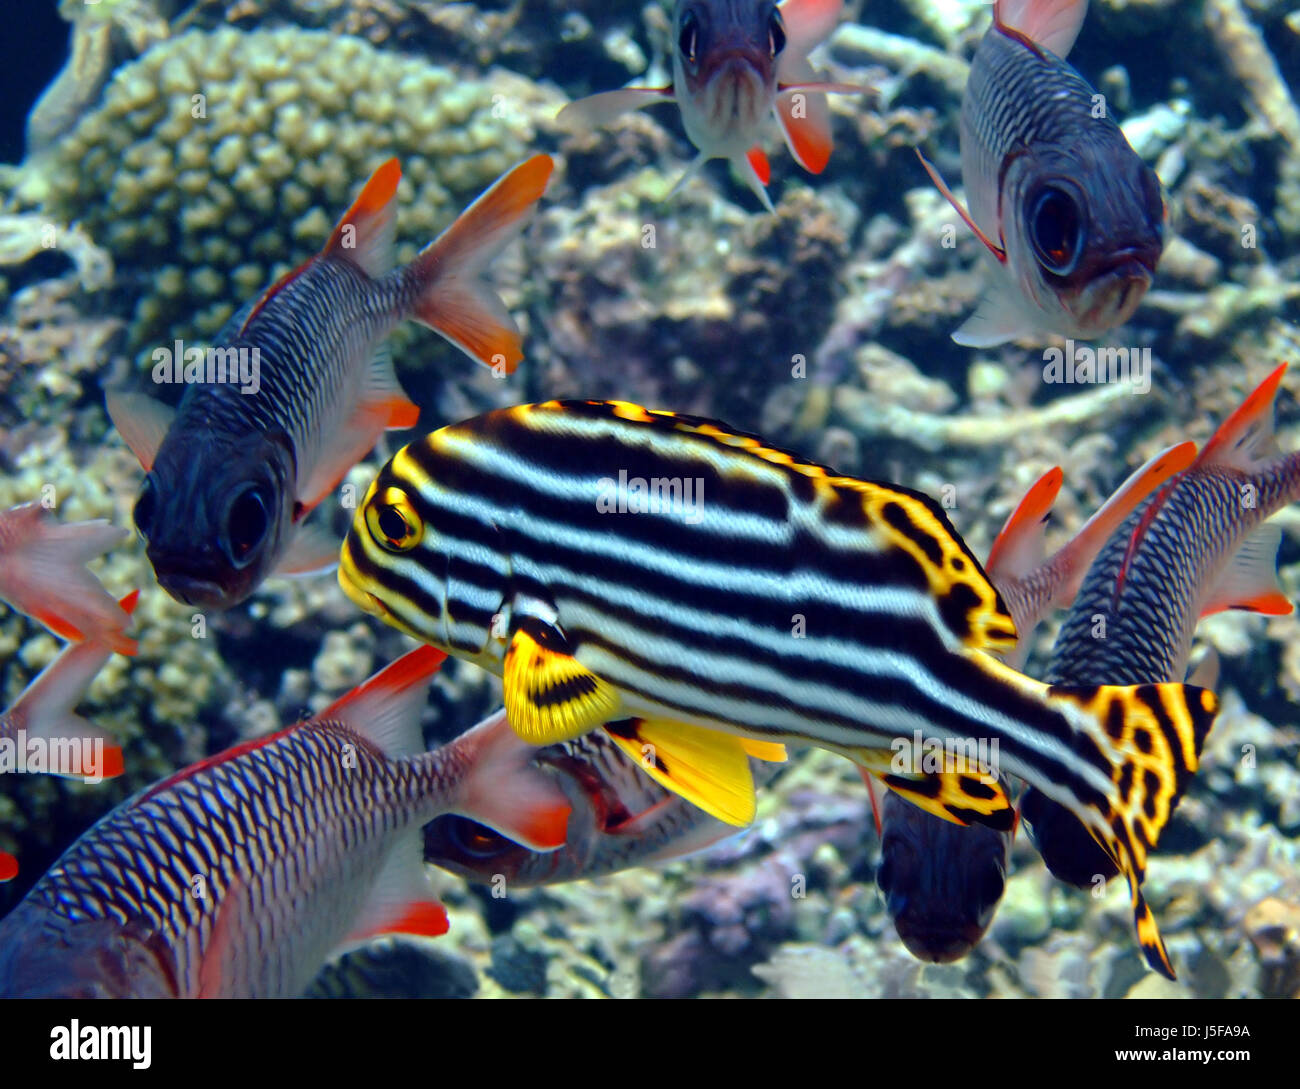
676, 608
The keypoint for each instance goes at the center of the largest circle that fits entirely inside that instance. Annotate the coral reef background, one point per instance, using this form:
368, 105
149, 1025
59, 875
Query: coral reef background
825, 327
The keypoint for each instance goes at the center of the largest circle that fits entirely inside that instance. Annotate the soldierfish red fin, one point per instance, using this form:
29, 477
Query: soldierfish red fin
142, 422
43, 575
1245, 440
708, 768
453, 299
8, 867
550, 696
504, 789
1249, 580
45, 710
401, 901
745, 167
805, 117
217, 977
996, 249
801, 106
758, 160
1052, 24
875, 802
385, 709
1020, 547
596, 111
364, 235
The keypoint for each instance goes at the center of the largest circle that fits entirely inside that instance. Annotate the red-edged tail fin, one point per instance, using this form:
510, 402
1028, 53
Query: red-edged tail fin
504, 789
1245, 439
44, 576
999, 252
1052, 24
453, 299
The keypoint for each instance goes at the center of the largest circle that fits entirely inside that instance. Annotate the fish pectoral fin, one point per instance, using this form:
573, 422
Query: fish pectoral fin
596, 111
697, 167
753, 173
708, 768
996, 249
142, 422
996, 320
365, 234
550, 696
312, 551
1250, 580
453, 299
770, 752
401, 901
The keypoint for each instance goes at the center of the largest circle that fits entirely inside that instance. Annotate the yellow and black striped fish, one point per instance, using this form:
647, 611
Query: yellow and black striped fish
609, 561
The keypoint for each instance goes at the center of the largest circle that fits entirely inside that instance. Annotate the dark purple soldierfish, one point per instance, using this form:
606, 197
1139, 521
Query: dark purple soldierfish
736, 63
235, 470
1073, 219
241, 874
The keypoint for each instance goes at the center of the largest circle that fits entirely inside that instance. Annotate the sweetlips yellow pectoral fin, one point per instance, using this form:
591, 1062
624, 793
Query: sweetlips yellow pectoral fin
957, 796
550, 695
770, 752
708, 768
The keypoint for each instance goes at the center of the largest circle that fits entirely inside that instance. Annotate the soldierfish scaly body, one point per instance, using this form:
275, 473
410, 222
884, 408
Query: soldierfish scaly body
241, 874
235, 470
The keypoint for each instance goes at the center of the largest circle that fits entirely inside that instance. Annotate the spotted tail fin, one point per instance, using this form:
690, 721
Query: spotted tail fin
1152, 736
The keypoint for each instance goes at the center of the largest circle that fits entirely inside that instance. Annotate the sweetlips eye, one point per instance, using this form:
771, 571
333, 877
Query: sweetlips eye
247, 523
776, 33
688, 36
145, 507
1056, 230
476, 840
393, 522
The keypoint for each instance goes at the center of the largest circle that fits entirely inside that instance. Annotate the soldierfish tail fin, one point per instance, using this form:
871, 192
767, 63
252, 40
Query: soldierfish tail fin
45, 711
1151, 736
453, 300
596, 111
45, 577
1052, 24
503, 788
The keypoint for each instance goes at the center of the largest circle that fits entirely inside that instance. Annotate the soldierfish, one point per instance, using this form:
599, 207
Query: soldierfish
43, 574
620, 818
241, 874
233, 472
736, 63
778, 601
942, 882
1200, 545
1071, 216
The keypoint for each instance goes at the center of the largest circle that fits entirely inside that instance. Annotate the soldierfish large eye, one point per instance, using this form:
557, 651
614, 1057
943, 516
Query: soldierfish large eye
776, 33
392, 521
688, 36
247, 522
145, 507
1056, 230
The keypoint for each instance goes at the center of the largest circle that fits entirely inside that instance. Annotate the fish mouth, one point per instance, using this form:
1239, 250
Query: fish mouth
195, 590
362, 599
939, 945
733, 95
1111, 297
